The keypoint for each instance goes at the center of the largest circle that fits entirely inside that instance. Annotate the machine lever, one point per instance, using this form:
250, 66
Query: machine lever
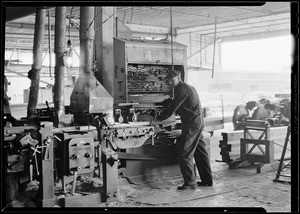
74, 182
47, 151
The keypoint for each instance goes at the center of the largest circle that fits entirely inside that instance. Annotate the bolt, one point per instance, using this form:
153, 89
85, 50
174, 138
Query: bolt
87, 155
73, 157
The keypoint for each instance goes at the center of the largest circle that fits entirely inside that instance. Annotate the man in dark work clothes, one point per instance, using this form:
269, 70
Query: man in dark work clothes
186, 104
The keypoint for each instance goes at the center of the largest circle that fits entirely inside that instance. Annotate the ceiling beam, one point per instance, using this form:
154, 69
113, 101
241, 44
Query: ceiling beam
250, 22
13, 13
255, 36
148, 29
17, 25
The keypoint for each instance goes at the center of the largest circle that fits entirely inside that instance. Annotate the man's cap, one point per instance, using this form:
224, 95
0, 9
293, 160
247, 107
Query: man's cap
172, 74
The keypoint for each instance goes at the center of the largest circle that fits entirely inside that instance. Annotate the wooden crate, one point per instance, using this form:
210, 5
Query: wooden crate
230, 143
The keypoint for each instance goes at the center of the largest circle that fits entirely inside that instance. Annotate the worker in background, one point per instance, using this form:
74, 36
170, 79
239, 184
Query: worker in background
261, 113
190, 144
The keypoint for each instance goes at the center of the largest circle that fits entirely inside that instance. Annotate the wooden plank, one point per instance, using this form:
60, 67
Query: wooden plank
256, 123
228, 159
90, 200
257, 158
236, 135
235, 152
268, 167
234, 155
235, 147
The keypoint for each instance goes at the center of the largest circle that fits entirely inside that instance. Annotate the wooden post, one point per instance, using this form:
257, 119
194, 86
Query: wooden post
39, 32
87, 35
49, 41
59, 49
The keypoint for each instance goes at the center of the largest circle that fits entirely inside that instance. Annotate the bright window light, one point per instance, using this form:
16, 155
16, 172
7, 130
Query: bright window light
272, 54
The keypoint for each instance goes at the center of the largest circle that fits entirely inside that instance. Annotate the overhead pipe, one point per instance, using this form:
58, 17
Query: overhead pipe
87, 35
59, 49
34, 73
85, 83
88, 95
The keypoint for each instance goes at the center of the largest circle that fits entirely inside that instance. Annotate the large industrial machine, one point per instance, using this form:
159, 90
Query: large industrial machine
276, 111
105, 137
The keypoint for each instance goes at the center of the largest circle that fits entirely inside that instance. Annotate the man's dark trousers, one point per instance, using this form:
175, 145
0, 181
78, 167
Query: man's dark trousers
191, 144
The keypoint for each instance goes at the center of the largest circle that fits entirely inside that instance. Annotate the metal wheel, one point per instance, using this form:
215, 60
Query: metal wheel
240, 112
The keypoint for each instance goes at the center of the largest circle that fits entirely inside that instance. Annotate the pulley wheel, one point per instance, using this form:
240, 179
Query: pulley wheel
240, 112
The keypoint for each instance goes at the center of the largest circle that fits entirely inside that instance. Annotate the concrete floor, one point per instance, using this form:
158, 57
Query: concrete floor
241, 187
232, 188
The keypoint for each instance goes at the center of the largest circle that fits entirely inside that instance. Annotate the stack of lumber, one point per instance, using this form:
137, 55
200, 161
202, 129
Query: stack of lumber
230, 143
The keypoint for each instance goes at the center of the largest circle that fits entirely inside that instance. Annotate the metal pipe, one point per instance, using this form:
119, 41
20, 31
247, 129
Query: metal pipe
87, 35
171, 22
213, 64
59, 49
37, 60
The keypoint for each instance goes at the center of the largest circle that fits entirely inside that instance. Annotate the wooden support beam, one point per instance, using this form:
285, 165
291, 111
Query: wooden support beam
144, 29
255, 36
13, 13
59, 49
49, 43
37, 60
87, 36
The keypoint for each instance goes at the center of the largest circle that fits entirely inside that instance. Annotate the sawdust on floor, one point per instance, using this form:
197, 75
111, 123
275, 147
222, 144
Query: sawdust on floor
241, 187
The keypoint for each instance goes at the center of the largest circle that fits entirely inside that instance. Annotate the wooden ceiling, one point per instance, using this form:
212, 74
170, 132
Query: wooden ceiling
237, 19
